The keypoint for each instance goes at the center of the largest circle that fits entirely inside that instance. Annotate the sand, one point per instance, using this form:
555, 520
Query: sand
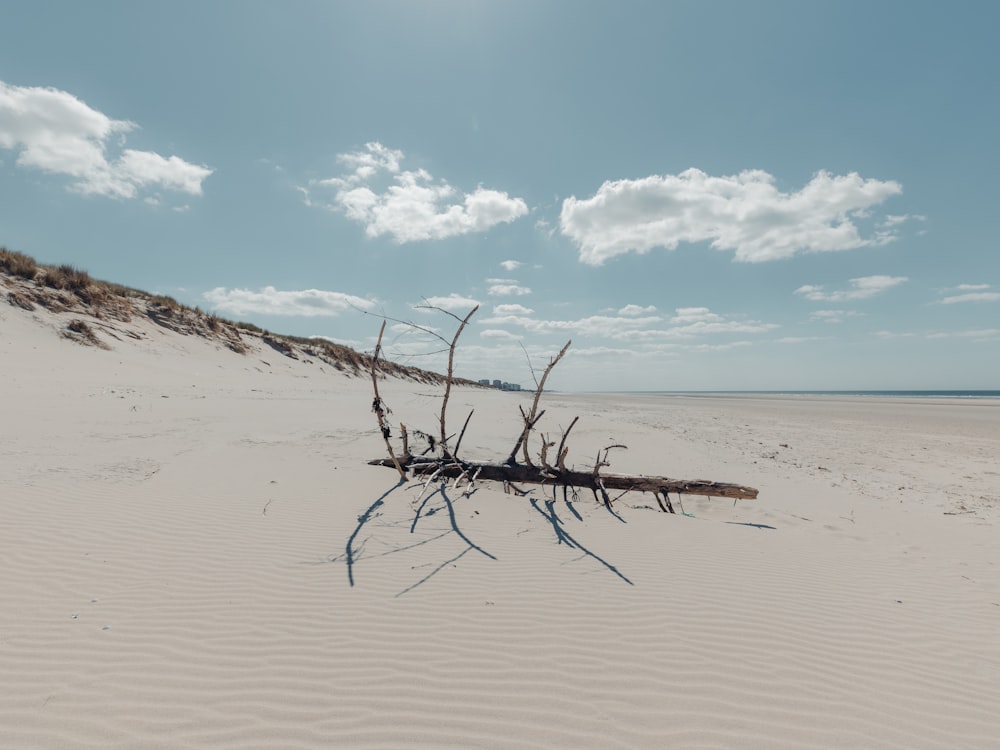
194, 554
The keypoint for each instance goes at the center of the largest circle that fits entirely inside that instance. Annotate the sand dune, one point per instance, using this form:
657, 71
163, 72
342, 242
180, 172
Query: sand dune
194, 554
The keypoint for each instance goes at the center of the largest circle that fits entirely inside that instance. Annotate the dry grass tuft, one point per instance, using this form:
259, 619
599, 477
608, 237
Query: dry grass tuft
66, 278
19, 300
79, 331
17, 264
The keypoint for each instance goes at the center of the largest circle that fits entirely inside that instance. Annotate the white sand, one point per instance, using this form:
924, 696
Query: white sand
174, 526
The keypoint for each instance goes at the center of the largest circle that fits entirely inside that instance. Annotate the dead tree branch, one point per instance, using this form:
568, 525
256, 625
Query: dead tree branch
382, 411
443, 462
450, 379
536, 475
533, 416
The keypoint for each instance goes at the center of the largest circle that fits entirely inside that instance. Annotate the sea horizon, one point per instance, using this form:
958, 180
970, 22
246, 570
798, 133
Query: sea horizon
860, 393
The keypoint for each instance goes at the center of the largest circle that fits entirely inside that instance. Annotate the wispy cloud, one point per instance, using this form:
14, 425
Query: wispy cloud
969, 293
511, 265
797, 339
895, 220
745, 213
861, 288
58, 133
721, 347
637, 329
306, 303
978, 334
409, 205
833, 316
894, 334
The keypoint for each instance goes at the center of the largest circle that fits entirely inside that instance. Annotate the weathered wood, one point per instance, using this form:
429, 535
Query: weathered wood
537, 475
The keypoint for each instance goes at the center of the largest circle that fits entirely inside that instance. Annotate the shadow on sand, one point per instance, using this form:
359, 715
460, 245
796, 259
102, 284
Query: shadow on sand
355, 545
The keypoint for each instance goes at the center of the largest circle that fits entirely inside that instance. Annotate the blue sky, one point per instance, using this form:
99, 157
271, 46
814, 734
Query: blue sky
701, 195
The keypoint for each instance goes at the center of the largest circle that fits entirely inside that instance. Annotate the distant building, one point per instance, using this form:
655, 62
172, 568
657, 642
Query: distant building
501, 385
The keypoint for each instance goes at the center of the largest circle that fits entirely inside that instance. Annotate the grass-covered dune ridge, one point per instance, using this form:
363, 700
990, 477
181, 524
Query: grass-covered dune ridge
90, 306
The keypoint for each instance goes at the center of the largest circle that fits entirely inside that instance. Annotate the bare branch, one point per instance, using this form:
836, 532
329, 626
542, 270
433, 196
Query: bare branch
462, 433
451, 375
533, 416
561, 453
380, 409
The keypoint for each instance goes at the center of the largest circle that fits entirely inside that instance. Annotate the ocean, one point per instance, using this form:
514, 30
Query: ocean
975, 394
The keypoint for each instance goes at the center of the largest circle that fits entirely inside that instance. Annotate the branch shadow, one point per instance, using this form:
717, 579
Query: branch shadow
363, 519
564, 537
753, 525
455, 529
427, 508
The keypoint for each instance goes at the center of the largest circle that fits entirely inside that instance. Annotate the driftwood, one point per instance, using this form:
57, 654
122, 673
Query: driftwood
522, 474
445, 463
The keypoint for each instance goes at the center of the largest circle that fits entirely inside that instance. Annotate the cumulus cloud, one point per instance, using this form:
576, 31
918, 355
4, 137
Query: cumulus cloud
497, 333
512, 309
308, 303
452, 303
861, 288
511, 265
686, 315
409, 205
58, 133
633, 310
970, 293
508, 290
744, 213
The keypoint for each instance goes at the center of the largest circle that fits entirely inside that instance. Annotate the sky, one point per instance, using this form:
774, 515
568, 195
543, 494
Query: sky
703, 195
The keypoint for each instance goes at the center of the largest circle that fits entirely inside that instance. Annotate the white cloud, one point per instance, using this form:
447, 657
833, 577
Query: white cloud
634, 310
721, 347
797, 339
513, 309
970, 293
694, 315
894, 220
57, 133
412, 207
862, 288
269, 301
981, 334
496, 333
508, 290
452, 303
971, 297
511, 265
834, 316
636, 329
745, 213
893, 335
